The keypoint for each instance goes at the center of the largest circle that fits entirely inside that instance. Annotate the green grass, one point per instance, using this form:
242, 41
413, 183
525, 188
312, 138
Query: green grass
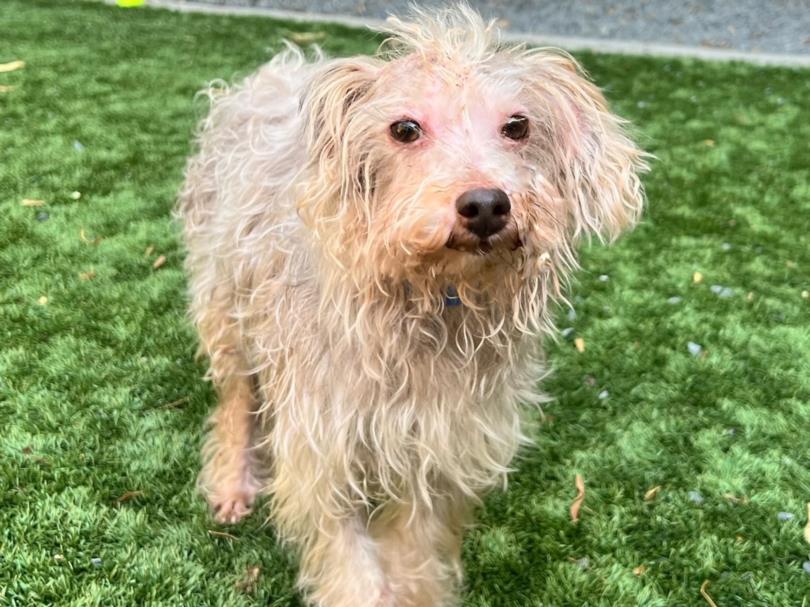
100, 395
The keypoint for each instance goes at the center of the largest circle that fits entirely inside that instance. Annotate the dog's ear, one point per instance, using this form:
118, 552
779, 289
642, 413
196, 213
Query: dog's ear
597, 166
328, 105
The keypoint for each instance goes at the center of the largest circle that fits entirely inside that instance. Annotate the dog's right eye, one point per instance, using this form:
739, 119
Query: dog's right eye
516, 128
406, 131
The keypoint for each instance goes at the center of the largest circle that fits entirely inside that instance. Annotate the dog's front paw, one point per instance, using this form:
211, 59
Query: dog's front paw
230, 509
229, 487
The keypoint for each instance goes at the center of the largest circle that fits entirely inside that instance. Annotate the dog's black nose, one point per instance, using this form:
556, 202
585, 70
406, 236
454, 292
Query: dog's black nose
486, 211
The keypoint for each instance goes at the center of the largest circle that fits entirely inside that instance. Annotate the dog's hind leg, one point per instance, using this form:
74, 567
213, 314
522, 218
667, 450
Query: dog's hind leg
228, 479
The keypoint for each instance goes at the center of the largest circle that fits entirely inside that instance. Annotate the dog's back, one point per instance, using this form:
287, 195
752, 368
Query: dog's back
251, 129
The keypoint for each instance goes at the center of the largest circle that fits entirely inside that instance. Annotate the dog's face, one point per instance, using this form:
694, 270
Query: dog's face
456, 157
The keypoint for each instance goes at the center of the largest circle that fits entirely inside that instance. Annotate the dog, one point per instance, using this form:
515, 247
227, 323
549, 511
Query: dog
375, 247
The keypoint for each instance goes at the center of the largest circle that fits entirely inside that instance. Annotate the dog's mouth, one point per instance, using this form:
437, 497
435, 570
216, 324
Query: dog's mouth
473, 245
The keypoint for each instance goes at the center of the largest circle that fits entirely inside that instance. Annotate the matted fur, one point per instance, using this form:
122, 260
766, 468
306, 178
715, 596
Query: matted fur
370, 412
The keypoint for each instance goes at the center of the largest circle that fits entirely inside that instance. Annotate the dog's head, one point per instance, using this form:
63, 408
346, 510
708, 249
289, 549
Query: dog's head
451, 157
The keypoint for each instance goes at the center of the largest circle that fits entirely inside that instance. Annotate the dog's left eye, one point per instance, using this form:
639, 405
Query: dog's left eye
406, 131
517, 127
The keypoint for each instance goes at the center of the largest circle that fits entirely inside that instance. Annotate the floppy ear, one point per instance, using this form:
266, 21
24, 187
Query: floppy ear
597, 165
328, 106
334, 200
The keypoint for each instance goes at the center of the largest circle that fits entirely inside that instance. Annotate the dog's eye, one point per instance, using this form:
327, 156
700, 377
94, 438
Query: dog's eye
517, 127
406, 131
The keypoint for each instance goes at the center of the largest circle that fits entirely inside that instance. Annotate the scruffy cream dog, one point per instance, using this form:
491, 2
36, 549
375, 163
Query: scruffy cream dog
375, 245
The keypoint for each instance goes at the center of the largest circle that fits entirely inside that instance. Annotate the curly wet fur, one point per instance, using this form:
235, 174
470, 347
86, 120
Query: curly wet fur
318, 267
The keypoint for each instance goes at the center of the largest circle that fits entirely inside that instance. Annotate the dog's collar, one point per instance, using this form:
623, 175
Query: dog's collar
451, 298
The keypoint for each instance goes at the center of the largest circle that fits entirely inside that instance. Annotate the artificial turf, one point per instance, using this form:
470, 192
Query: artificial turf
102, 402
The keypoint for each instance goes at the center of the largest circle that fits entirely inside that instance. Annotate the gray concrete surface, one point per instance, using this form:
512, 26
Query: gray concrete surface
758, 26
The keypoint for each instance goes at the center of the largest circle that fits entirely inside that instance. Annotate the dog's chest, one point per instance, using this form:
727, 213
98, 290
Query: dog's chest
440, 421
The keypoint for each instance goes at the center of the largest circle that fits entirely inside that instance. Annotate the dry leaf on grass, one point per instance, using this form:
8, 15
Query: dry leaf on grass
11, 66
89, 275
576, 505
159, 262
86, 240
640, 570
249, 580
734, 499
5, 88
579, 344
32, 202
652, 493
705, 593
175, 403
128, 495
222, 534
42, 300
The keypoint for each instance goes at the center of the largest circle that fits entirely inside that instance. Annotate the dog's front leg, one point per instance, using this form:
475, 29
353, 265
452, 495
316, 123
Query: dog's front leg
420, 548
228, 478
340, 565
